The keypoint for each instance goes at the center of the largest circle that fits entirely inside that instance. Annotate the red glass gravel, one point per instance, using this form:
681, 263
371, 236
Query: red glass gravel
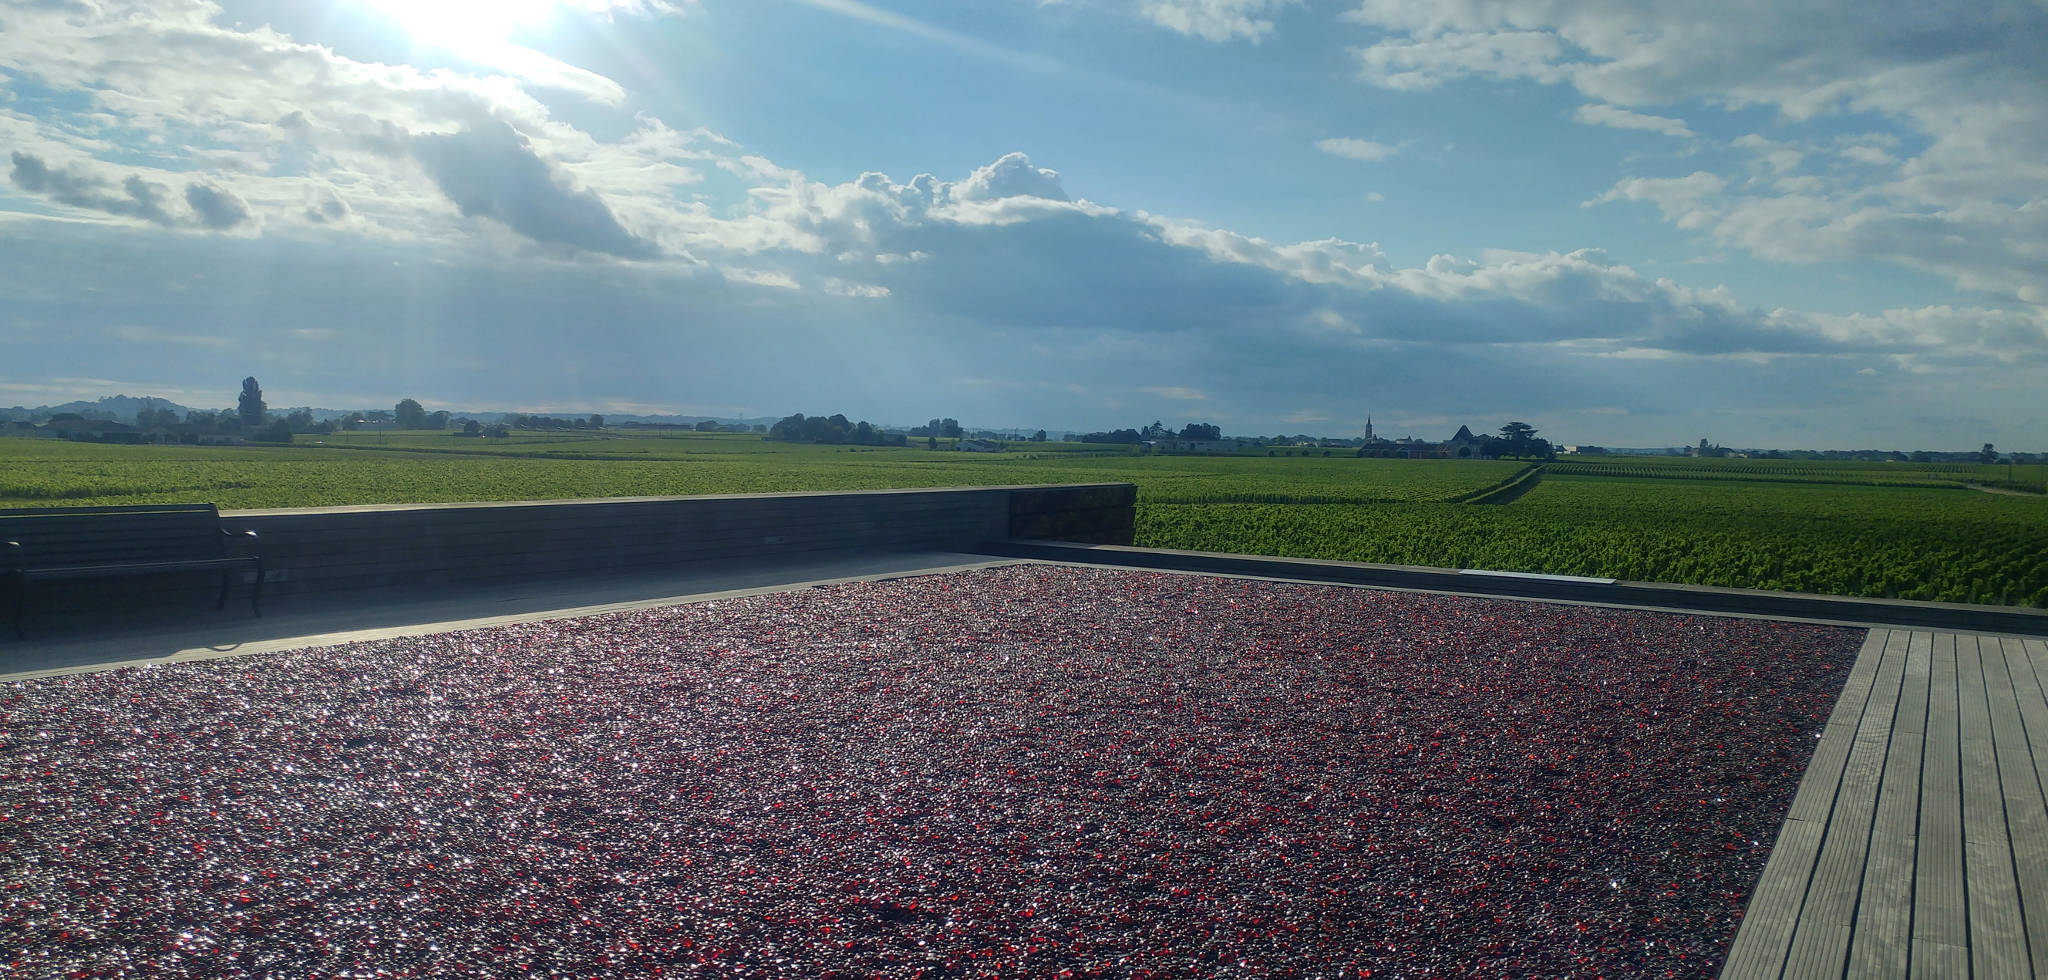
1031, 770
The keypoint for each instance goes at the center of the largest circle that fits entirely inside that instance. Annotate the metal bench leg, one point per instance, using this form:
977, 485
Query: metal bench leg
256, 591
222, 602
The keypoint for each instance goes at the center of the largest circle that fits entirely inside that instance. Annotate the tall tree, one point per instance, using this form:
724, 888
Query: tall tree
410, 415
1519, 436
1987, 455
251, 404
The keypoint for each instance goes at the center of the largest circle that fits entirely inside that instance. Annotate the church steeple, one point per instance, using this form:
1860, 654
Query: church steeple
1368, 428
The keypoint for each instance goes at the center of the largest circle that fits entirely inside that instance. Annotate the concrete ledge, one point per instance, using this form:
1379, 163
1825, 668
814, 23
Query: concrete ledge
325, 554
1687, 598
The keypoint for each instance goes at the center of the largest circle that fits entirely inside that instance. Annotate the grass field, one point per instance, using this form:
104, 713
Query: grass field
1902, 530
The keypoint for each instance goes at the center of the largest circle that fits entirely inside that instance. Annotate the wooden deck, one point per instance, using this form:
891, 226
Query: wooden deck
1917, 845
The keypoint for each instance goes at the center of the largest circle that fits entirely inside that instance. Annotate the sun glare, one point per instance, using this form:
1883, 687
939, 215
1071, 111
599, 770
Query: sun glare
463, 25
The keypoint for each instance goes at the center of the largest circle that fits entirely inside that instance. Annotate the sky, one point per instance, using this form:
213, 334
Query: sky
1794, 223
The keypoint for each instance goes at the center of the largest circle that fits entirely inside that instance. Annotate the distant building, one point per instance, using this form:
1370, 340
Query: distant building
1463, 445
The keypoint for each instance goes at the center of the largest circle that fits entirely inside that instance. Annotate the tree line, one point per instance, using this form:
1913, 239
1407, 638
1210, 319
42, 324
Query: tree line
835, 430
1192, 432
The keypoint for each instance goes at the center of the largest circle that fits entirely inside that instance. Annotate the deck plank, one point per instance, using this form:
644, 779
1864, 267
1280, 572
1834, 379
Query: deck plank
1940, 961
1882, 943
2026, 811
1816, 796
1919, 670
1998, 945
1765, 937
1820, 940
1939, 906
2035, 652
2032, 700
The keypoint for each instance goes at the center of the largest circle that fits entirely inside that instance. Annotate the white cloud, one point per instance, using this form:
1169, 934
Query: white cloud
95, 188
1356, 149
1868, 155
1215, 20
1774, 155
1595, 114
761, 277
1963, 82
1011, 176
548, 72
408, 199
840, 287
1686, 201
1420, 64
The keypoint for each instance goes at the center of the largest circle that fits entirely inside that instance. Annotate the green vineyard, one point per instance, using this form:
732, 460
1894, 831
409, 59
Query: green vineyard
1942, 545
1911, 531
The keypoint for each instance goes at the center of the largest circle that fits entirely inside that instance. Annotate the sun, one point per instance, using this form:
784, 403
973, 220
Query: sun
463, 25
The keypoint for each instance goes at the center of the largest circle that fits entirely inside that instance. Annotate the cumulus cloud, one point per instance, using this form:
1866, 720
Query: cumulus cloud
1215, 20
1594, 114
493, 172
1688, 201
1965, 80
1011, 176
1001, 264
418, 149
1356, 149
1057, 264
1869, 155
1419, 64
216, 208
324, 206
78, 186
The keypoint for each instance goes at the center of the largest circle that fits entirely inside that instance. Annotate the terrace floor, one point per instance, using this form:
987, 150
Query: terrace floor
1918, 843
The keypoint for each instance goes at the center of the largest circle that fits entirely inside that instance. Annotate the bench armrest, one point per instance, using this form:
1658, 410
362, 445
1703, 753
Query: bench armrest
243, 537
12, 555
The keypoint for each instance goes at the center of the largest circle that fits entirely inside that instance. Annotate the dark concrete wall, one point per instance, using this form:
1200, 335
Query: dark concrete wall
1100, 514
336, 551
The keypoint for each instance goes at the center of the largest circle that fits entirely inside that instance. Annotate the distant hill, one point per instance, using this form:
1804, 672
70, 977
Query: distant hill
121, 408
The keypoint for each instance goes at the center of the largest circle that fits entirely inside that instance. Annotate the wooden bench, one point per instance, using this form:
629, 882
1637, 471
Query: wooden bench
54, 544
